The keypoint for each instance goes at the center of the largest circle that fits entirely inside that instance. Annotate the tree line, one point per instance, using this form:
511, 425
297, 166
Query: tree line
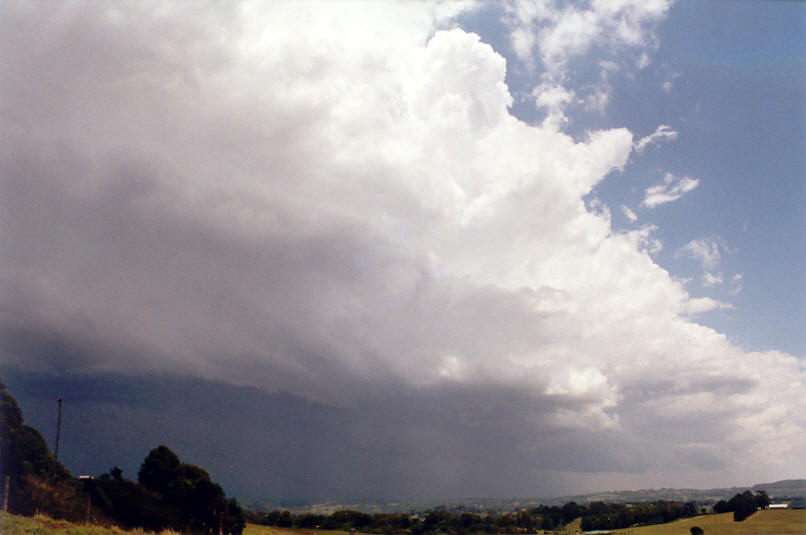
168, 493
596, 515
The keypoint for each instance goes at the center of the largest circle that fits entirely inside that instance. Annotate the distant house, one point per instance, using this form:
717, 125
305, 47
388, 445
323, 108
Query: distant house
779, 506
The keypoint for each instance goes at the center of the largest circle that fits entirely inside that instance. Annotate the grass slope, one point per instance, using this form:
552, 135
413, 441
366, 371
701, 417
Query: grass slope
774, 522
44, 525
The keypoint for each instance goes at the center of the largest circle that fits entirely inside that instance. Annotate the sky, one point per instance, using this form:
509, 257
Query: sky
409, 249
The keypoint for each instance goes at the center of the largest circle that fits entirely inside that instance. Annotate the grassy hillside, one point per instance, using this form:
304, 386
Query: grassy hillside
43, 525
775, 522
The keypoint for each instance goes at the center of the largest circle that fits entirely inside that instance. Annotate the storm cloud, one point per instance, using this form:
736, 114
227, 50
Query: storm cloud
333, 200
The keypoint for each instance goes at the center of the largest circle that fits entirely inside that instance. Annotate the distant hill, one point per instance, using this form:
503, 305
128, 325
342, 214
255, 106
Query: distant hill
785, 488
798, 485
794, 490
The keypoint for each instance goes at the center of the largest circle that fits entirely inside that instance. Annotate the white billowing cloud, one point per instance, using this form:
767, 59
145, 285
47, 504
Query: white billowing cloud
662, 133
671, 189
629, 214
642, 239
333, 199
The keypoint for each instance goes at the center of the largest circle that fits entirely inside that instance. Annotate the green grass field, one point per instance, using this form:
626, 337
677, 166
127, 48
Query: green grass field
784, 522
778, 522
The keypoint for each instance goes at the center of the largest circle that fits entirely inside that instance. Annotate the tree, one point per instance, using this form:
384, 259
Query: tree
236, 519
159, 470
189, 489
116, 473
570, 511
721, 507
763, 500
24, 455
743, 505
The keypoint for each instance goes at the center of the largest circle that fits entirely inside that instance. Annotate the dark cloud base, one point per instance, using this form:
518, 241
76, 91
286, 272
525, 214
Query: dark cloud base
280, 446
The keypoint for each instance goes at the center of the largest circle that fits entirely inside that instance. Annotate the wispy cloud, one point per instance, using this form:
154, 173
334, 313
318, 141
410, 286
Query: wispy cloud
705, 304
558, 33
706, 251
671, 189
629, 214
709, 280
736, 284
662, 133
554, 34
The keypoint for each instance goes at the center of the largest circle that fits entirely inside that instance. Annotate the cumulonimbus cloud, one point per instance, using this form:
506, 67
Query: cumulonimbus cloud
338, 203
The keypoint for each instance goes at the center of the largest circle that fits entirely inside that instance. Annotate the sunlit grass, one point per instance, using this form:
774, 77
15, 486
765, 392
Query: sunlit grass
775, 522
44, 525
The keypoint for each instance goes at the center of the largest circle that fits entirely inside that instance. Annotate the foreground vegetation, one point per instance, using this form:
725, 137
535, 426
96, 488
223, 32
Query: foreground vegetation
168, 493
45, 525
777, 522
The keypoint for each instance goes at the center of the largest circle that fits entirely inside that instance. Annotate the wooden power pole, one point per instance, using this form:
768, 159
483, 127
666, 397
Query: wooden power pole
58, 429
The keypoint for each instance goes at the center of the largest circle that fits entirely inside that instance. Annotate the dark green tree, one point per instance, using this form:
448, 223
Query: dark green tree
159, 470
116, 473
721, 507
743, 505
189, 489
763, 500
25, 457
236, 519
570, 511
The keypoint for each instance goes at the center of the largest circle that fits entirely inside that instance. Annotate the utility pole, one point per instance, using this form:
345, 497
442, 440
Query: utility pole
58, 429
6, 481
